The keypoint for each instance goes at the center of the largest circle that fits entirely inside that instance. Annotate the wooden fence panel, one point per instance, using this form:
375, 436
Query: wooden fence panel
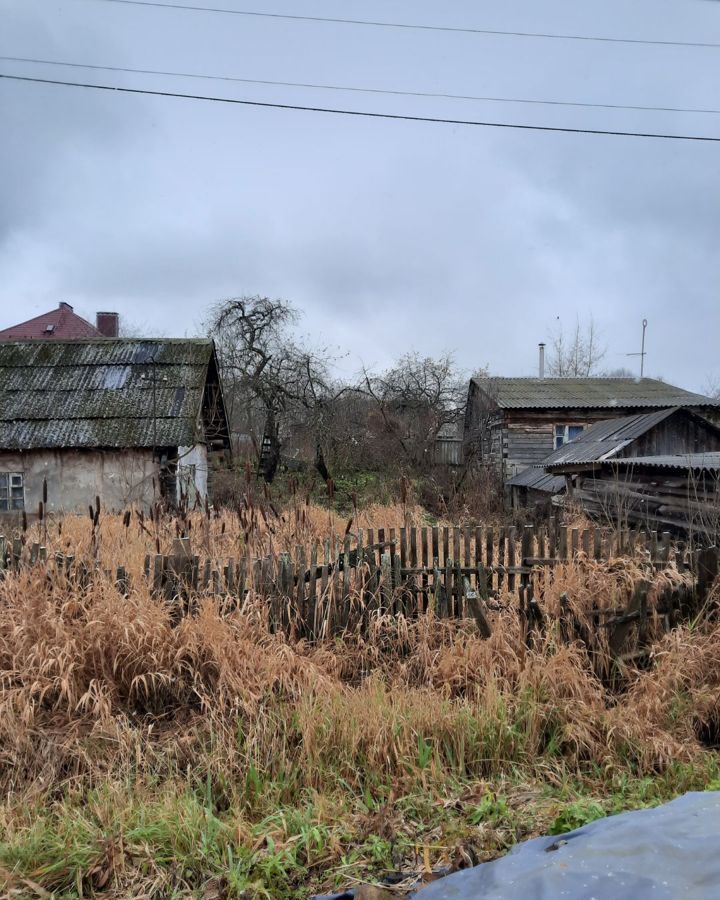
318, 591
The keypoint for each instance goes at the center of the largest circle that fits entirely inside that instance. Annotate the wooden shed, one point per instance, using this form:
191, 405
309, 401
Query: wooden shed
513, 423
658, 470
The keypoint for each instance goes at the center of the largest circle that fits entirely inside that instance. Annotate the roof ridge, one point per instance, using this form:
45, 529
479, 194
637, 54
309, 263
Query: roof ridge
119, 340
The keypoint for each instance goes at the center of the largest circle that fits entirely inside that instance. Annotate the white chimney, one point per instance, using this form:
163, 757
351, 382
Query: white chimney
541, 368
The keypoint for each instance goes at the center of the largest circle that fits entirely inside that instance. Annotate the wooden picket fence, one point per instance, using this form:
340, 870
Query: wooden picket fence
463, 572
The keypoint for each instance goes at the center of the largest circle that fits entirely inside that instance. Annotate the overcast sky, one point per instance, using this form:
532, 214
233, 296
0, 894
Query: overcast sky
389, 236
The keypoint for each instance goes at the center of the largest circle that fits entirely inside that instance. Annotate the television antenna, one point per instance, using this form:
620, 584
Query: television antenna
642, 353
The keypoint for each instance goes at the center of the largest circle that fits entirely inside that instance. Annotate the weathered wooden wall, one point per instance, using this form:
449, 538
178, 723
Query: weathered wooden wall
677, 434
528, 436
652, 498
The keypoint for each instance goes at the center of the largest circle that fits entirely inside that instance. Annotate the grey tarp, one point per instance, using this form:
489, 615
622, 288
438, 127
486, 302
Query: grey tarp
668, 852
664, 853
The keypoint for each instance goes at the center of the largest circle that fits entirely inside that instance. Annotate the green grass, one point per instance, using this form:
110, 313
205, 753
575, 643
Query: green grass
175, 838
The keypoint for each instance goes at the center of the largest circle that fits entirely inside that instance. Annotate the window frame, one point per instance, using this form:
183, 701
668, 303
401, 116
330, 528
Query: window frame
12, 492
562, 430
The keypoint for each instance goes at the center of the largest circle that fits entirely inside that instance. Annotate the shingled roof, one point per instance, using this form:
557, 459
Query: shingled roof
99, 393
587, 393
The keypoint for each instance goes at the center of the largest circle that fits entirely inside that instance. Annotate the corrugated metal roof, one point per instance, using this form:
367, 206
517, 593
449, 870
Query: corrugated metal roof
606, 439
709, 462
591, 393
538, 480
102, 393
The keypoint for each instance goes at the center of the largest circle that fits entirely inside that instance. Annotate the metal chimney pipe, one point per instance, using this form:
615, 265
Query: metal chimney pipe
541, 372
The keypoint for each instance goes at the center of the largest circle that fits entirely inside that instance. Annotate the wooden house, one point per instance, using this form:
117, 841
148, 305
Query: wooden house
514, 423
129, 421
657, 470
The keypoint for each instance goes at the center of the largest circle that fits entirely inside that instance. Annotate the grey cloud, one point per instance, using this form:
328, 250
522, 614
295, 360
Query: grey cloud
389, 236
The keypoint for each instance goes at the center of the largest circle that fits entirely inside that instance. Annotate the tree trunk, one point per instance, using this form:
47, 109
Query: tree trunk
270, 450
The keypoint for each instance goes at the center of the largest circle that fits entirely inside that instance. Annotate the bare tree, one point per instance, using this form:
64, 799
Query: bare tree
711, 387
577, 355
271, 382
416, 399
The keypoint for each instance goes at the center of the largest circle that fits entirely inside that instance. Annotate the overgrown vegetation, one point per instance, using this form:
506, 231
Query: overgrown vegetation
212, 758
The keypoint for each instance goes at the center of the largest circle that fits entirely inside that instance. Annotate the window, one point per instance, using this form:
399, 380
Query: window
12, 494
565, 433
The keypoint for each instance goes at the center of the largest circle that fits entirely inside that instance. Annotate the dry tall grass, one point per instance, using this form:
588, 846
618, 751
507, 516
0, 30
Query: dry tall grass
104, 697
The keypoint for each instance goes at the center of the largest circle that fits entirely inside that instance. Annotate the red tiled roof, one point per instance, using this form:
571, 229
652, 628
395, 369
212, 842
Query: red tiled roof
59, 324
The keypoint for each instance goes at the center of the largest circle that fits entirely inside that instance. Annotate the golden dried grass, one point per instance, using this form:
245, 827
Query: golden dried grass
104, 692
89, 679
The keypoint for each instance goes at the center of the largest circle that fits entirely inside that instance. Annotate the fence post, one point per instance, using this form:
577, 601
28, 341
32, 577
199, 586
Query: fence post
16, 553
477, 609
564, 620
121, 580
158, 573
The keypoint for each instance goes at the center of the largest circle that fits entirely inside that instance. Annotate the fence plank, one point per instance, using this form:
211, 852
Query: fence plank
444, 609
512, 561
489, 559
527, 549
457, 553
541, 542
393, 548
299, 586
563, 543
501, 559
312, 587
324, 579
585, 543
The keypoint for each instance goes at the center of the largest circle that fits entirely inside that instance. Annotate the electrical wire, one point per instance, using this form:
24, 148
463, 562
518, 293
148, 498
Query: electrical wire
363, 113
415, 26
360, 90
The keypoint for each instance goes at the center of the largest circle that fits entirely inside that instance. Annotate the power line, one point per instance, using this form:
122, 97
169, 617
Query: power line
413, 26
364, 113
360, 90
